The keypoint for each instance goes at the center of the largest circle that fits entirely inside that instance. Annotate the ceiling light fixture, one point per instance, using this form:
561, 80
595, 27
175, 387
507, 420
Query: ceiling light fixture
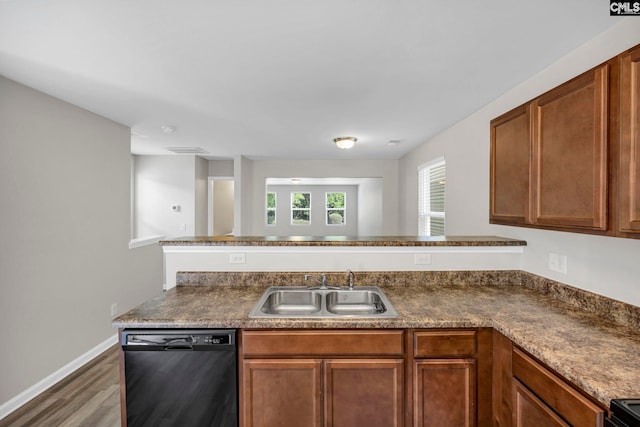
345, 142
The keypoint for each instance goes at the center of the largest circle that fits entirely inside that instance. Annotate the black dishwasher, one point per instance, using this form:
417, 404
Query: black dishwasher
180, 377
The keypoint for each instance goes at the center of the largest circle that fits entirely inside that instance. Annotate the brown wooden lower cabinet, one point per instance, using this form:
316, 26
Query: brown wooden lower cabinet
290, 392
451, 377
529, 411
501, 380
363, 393
284, 392
555, 397
394, 378
445, 392
332, 378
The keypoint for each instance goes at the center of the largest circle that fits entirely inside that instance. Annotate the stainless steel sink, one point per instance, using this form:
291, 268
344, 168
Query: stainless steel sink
301, 302
355, 302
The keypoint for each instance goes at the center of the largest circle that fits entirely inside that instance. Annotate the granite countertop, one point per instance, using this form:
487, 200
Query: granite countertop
342, 241
596, 354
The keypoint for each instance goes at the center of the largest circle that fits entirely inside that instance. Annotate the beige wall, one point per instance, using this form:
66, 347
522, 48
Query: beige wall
223, 195
65, 228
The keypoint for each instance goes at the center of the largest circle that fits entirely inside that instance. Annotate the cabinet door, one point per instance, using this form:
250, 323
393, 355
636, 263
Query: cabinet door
629, 164
529, 411
444, 393
510, 167
281, 393
364, 393
557, 394
570, 154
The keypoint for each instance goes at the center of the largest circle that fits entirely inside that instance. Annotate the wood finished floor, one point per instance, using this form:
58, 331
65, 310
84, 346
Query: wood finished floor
89, 397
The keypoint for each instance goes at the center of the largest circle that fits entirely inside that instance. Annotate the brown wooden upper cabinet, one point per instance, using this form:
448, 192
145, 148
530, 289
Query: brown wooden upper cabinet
570, 153
510, 170
629, 158
551, 158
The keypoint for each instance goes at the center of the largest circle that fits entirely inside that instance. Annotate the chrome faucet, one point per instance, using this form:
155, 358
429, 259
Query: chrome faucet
350, 279
322, 280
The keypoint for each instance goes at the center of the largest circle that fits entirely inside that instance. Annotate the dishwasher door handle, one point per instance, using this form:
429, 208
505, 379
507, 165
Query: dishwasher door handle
178, 348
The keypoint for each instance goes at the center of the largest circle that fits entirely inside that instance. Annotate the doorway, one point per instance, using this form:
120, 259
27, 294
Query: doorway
221, 203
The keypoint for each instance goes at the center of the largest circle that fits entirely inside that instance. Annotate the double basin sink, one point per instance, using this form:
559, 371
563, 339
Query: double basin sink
303, 302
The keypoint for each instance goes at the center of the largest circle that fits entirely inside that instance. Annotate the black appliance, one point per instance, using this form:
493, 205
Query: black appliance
624, 413
180, 377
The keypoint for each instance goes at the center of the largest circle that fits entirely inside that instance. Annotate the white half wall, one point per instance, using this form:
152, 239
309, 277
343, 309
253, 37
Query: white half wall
604, 265
336, 258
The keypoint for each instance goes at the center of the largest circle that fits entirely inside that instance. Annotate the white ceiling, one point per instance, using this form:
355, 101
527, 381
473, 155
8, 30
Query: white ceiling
282, 78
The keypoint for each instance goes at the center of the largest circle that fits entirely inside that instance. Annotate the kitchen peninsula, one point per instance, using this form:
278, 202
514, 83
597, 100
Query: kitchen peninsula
498, 324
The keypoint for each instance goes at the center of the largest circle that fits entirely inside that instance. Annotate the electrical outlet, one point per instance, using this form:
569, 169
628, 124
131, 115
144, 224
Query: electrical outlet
562, 264
422, 259
558, 263
183, 227
114, 309
237, 259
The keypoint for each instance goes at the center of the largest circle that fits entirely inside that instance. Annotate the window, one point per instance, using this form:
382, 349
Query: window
335, 208
431, 198
300, 208
271, 208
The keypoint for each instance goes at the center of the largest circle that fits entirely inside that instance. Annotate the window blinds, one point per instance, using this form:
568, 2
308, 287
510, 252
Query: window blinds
431, 199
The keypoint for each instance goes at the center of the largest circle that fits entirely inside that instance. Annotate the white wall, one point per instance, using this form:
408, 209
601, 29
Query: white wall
201, 195
242, 209
163, 181
604, 265
370, 207
221, 168
318, 226
387, 170
64, 256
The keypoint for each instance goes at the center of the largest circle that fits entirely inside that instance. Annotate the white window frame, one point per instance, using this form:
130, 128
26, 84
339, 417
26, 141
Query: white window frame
292, 209
424, 198
327, 209
274, 209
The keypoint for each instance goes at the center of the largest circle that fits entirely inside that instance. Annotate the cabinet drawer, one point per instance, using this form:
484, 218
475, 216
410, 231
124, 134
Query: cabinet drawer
322, 343
444, 343
555, 392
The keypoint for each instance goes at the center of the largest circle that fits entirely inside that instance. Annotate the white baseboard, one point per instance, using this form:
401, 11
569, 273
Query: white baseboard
11, 405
